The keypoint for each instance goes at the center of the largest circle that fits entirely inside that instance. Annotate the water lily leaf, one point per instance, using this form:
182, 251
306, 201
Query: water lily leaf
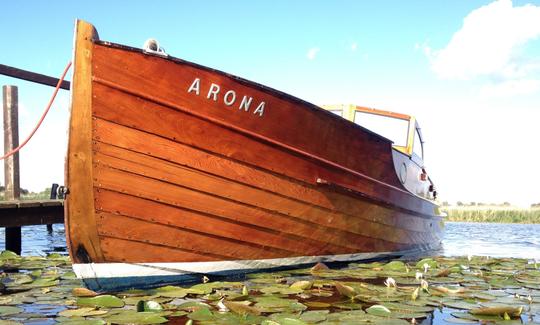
9, 322
9, 310
432, 264
241, 308
468, 316
407, 308
378, 310
8, 255
397, 266
101, 301
302, 285
82, 322
133, 317
82, 312
347, 305
180, 293
202, 314
83, 292
483, 296
276, 304
207, 288
43, 282
512, 311
290, 321
345, 290
190, 305
317, 304
391, 321
314, 316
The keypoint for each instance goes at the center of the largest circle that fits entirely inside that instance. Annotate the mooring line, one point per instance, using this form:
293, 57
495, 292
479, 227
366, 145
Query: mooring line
58, 85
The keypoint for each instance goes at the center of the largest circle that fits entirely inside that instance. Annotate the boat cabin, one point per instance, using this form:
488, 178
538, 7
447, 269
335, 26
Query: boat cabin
403, 130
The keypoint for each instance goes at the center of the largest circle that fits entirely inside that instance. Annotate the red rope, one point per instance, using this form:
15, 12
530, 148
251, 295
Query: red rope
12, 152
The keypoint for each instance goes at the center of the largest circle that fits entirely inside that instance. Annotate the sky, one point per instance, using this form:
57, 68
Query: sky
468, 70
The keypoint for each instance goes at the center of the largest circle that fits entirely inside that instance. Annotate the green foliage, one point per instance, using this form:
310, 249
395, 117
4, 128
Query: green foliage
27, 195
492, 214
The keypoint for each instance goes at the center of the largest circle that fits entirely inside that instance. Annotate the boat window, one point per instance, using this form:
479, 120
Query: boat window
391, 128
418, 146
337, 112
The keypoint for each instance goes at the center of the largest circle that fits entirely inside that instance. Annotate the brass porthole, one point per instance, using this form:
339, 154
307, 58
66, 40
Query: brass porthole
403, 173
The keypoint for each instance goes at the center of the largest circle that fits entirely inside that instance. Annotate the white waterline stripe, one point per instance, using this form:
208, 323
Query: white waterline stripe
119, 270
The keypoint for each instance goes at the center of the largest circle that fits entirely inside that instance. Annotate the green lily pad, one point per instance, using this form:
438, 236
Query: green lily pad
314, 316
82, 312
202, 314
107, 301
302, 285
397, 266
8, 255
9, 310
432, 264
378, 310
133, 317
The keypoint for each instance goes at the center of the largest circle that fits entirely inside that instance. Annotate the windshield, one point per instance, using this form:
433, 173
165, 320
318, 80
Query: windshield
392, 128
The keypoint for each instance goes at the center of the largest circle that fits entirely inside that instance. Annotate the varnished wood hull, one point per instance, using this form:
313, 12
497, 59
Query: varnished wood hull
169, 179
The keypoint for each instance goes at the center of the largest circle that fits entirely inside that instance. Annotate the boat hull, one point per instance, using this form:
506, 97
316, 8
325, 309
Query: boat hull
123, 276
171, 162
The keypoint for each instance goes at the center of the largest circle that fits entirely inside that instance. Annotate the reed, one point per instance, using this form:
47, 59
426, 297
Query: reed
495, 214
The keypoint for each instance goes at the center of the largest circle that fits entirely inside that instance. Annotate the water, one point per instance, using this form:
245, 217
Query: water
461, 238
492, 239
37, 241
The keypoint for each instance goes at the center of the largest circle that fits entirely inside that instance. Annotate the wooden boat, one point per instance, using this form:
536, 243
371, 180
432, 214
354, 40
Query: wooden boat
175, 171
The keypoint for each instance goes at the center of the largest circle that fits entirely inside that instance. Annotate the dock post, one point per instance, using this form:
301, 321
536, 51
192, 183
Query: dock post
53, 196
11, 164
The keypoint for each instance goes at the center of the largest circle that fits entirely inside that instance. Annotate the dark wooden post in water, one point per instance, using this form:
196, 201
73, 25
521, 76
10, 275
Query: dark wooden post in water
54, 196
11, 164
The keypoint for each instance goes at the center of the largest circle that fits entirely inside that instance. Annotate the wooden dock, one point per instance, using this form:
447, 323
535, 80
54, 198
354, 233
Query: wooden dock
26, 213
14, 212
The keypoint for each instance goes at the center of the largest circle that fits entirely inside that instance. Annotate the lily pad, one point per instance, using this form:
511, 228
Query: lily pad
9, 310
378, 310
101, 301
132, 317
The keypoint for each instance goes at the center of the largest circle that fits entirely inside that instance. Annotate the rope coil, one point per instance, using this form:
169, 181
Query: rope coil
14, 151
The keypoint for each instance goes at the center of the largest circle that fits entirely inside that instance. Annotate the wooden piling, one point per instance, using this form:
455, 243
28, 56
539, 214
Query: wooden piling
11, 164
53, 196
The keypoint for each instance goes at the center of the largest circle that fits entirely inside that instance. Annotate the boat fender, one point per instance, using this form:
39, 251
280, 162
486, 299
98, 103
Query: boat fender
151, 46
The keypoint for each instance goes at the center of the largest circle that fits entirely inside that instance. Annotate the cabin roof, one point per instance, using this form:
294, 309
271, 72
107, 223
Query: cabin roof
348, 112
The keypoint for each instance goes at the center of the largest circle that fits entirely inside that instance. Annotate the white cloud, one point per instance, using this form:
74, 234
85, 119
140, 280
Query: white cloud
488, 43
312, 53
354, 46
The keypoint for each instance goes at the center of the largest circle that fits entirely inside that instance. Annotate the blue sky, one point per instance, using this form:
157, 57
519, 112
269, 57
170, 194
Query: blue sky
469, 71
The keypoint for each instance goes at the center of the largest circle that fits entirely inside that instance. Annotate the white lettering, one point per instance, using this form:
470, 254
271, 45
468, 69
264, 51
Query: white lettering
246, 101
226, 99
229, 97
259, 109
213, 91
195, 86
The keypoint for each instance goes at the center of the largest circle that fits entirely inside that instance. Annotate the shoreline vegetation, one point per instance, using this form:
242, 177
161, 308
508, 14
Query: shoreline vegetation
495, 213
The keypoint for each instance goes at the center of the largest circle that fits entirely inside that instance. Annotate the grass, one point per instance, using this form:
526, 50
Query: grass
495, 214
